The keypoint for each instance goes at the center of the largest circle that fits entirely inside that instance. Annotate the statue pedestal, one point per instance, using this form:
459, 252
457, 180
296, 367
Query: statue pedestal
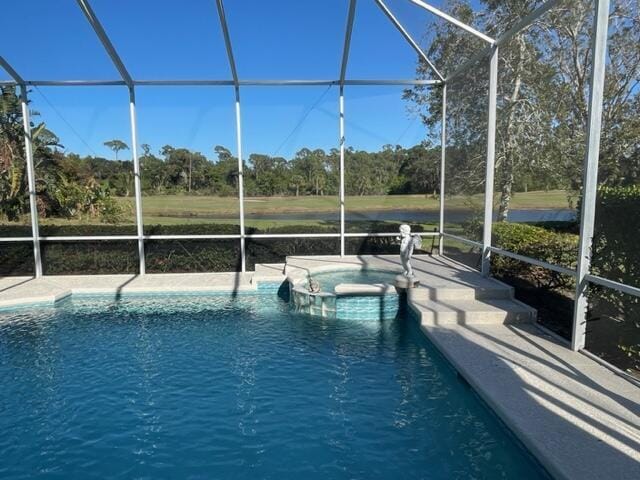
406, 282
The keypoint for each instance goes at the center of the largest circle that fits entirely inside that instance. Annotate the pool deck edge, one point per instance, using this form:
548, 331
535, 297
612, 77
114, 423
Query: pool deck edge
18, 292
579, 419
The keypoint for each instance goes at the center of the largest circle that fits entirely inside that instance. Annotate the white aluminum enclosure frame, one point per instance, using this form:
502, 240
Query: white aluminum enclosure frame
590, 167
590, 172
236, 87
126, 77
343, 73
582, 273
31, 179
455, 21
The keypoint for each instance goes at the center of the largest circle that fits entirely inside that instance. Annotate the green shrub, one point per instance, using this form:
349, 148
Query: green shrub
16, 258
89, 257
549, 292
83, 230
174, 256
535, 242
614, 317
185, 256
616, 250
64, 198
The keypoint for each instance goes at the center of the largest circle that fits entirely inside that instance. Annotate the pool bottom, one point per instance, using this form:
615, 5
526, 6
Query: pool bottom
239, 387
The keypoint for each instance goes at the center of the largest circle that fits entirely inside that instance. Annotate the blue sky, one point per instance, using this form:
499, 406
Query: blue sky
168, 39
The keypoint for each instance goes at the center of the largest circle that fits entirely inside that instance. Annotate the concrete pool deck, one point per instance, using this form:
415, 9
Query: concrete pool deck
579, 419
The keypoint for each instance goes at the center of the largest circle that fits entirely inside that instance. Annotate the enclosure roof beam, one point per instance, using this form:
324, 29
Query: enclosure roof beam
12, 73
68, 83
227, 42
347, 41
254, 83
506, 36
394, 82
104, 39
454, 21
408, 38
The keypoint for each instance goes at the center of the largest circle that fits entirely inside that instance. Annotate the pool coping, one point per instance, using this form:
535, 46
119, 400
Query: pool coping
578, 418
369, 289
23, 292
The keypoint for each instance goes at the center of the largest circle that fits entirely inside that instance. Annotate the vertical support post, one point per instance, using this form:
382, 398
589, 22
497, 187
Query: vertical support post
590, 172
236, 82
31, 180
443, 157
343, 73
137, 180
342, 140
243, 254
491, 160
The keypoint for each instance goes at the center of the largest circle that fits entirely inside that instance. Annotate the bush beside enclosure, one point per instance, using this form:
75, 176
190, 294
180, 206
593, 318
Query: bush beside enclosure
550, 292
182, 255
613, 326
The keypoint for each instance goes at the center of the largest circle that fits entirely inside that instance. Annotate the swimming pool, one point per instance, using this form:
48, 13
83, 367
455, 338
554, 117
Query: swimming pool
235, 387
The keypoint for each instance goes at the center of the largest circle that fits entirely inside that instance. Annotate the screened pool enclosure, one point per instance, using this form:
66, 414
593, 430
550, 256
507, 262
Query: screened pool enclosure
470, 87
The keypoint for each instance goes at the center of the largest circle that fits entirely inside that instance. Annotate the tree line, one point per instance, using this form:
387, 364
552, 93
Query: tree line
543, 94
70, 185
392, 170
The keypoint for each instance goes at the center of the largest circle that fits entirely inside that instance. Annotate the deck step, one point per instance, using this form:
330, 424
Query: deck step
472, 312
428, 292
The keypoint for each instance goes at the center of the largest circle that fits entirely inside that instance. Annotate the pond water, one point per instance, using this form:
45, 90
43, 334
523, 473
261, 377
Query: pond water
410, 216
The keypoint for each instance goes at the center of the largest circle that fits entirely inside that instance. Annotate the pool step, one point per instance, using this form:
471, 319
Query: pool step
472, 312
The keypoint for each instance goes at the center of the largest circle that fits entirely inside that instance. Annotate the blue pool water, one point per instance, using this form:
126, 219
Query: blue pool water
328, 280
235, 387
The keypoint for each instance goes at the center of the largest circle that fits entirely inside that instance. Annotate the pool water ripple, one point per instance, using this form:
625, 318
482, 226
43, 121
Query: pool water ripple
221, 387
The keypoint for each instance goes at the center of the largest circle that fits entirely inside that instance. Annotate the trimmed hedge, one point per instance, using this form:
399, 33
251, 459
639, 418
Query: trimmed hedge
99, 257
535, 242
176, 256
16, 259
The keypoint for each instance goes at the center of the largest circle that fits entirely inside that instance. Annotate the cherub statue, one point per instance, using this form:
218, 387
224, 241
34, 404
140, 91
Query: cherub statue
408, 243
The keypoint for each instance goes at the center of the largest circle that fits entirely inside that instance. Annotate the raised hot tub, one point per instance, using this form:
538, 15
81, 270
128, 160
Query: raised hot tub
346, 293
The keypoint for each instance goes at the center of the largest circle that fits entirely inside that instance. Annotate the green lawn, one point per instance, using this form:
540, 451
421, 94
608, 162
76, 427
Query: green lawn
185, 209
183, 205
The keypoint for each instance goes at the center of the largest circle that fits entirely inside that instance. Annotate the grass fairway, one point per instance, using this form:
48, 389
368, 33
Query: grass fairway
193, 209
162, 206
